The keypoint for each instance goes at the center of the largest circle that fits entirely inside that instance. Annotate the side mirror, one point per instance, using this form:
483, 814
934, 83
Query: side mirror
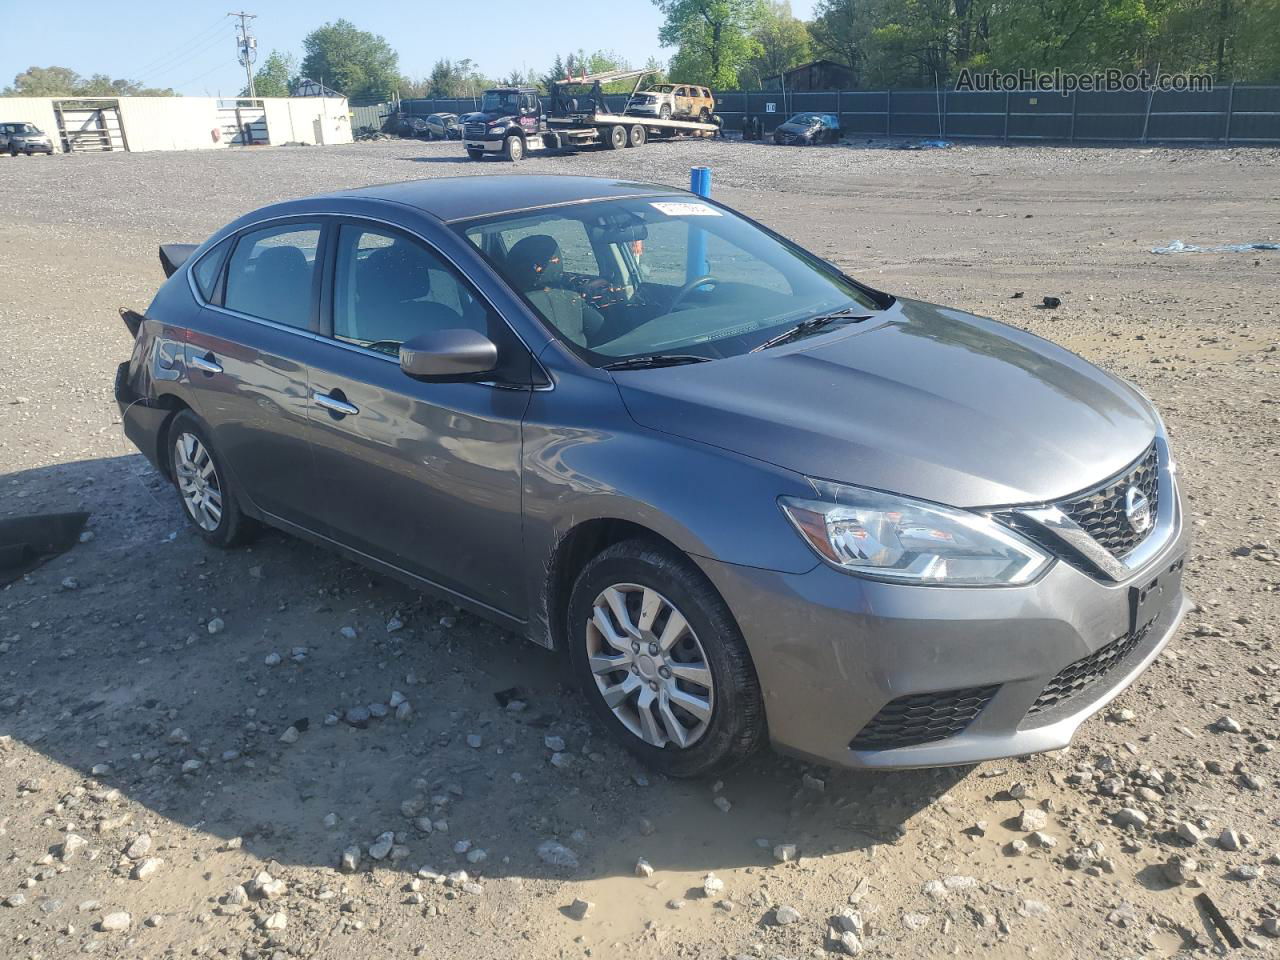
448, 355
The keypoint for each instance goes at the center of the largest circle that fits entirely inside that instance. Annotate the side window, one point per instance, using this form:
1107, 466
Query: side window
270, 274
388, 288
205, 272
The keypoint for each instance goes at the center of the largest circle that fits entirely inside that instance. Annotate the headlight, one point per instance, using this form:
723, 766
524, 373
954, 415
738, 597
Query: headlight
902, 540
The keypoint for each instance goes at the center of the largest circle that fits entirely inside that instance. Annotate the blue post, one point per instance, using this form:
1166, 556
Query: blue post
696, 265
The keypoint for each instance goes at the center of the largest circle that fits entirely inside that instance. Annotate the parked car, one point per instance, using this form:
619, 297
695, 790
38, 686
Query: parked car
750, 497
443, 126
407, 125
25, 138
678, 101
808, 128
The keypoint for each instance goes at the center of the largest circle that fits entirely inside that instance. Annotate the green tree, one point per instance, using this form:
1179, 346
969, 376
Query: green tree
352, 61
784, 43
455, 79
713, 38
65, 82
276, 76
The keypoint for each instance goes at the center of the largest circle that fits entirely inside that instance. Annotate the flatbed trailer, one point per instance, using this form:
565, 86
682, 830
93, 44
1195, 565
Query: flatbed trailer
569, 127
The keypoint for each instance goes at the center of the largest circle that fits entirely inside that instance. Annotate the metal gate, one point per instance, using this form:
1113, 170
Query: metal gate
89, 126
243, 122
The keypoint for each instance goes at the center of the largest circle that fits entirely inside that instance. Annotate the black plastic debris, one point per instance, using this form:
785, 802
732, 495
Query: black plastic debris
1051, 303
506, 696
28, 541
1218, 920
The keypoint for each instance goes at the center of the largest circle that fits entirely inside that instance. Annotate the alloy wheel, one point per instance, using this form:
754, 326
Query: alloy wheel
198, 481
649, 666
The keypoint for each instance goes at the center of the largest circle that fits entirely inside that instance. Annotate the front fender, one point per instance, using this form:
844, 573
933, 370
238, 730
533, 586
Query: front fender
585, 459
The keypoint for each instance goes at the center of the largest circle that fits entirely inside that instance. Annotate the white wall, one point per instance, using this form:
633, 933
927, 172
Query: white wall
187, 123
37, 110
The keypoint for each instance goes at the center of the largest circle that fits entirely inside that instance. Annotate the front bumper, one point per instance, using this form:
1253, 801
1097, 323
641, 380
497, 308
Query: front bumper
488, 146
34, 147
644, 110
832, 651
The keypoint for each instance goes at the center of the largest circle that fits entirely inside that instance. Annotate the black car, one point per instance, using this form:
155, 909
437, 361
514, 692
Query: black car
807, 128
407, 125
443, 126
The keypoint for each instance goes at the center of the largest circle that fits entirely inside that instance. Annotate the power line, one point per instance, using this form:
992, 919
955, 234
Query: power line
248, 44
221, 65
184, 49
183, 60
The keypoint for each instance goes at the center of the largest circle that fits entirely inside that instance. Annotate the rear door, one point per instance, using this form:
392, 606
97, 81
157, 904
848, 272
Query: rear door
247, 358
422, 476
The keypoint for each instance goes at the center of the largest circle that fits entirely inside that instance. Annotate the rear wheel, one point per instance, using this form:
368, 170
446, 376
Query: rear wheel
704, 115
662, 661
475, 153
616, 137
513, 149
203, 486
636, 136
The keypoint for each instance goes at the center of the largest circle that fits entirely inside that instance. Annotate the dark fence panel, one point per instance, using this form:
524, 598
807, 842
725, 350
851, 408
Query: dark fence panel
1231, 114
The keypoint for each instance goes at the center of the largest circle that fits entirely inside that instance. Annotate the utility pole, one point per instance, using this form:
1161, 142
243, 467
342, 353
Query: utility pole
247, 48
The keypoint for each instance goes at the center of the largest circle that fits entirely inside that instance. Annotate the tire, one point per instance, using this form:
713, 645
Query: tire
664, 112
513, 149
735, 726
636, 136
220, 521
475, 153
617, 137
704, 115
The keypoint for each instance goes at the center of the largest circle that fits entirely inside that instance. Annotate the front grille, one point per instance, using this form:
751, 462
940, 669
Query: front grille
475, 131
1075, 678
922, 718
1101, 514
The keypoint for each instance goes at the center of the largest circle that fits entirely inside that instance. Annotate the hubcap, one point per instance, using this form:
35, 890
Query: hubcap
649, 666
198, 481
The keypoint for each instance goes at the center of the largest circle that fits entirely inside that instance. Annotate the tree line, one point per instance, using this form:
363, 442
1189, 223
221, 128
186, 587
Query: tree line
746, 44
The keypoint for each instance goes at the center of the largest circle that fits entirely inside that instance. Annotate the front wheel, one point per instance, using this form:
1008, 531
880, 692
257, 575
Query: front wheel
664, 112
513, 149
662, 662
203, 485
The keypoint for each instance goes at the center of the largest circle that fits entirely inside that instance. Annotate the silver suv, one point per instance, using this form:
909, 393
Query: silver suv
24, 138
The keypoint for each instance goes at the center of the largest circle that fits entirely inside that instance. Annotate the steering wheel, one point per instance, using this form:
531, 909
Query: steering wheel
688, 288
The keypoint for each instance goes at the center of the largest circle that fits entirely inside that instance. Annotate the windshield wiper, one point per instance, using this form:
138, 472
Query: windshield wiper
654, 360
811, 326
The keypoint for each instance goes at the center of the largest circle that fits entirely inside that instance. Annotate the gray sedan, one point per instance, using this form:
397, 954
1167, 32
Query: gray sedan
750, 498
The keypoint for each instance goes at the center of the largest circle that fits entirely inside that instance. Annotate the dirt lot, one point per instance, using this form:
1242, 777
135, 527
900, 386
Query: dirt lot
142, 769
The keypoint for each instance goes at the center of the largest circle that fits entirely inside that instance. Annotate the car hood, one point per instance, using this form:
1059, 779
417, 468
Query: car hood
919, 400
790, 127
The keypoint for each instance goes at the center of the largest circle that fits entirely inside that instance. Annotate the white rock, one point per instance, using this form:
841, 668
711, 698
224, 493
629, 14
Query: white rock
191, 766
114, 922
348, 633
72, 844
475, 741
643, 868
290, 735
216, 625
554, 744
1130, 817
784, 852
712, 885
272, 659
1032, 819
350, 859
723, 804
785, 915
146, 868
274, 921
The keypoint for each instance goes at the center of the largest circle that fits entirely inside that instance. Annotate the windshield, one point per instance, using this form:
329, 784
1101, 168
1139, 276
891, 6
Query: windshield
806, 119
500, 101
23, 128
640, 277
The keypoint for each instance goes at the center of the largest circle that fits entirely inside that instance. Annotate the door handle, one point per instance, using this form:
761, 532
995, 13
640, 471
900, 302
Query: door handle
206, 363
334, 404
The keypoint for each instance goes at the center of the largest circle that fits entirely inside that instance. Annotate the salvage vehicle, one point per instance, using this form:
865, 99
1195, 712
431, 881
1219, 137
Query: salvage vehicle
443, 126
749, 497
808, 128
667, 100
24, 138
511, 121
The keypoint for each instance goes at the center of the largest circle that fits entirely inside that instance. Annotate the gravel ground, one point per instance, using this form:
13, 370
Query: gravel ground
175, 778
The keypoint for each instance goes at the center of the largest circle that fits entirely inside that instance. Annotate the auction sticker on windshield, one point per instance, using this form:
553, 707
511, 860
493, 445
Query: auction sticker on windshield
685, 209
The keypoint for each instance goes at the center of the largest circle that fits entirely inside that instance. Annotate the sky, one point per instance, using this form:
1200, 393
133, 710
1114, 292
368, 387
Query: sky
191, 46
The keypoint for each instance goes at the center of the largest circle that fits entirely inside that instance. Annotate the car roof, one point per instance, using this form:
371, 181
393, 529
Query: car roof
465, 198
